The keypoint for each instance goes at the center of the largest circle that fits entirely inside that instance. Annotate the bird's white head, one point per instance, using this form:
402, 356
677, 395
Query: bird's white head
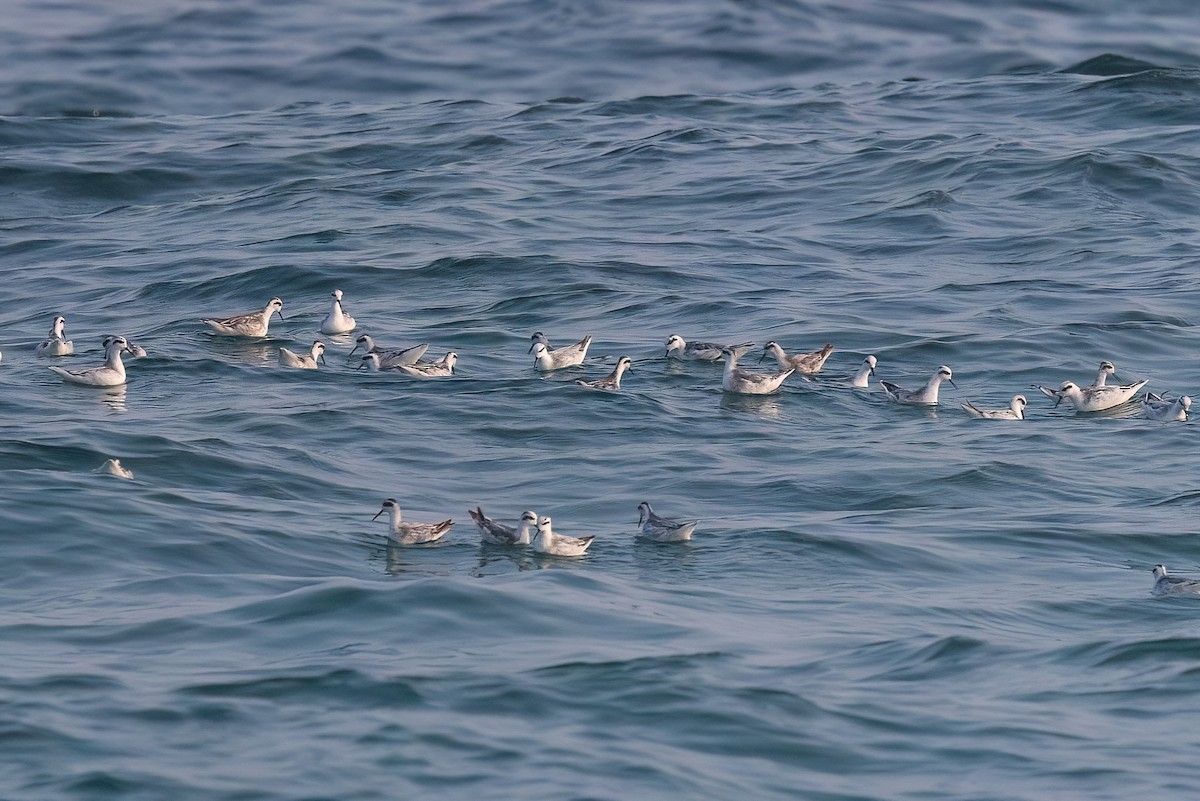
539, 350
1159, 571
275, 306
337, 295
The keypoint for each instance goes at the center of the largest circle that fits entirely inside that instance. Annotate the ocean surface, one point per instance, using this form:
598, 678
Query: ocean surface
880, 602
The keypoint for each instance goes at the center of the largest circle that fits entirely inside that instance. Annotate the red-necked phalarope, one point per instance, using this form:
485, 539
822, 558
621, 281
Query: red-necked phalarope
678, 348
546, 360
110, 374
411, 533
743, 382
612, 381
1165, 584
808, 363
254, 324
662, 529
1015, 410
57, 343
926, 395
496, 533
862, 379
547, 541
438, 369
337, 321
389, 358
304, 361
1156, 407
1093, 399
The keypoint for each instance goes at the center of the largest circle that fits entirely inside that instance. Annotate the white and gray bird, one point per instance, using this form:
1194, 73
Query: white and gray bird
862, 378
303, 361
1015, 410
438, 369
1156, 407
403, 533
109, 374
1093, 399
807, 363
496, 533
612, 381
546, 360
57, 343
682, 350
663, 529
550, 542
743, 382
389, 358
1166, 584
337, 321
254, 324
926, 395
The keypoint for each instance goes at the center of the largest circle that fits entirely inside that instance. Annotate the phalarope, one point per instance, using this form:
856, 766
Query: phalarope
1156, 407
862, 379
497, 533
110, 374
663, 529
1093, 399
113, 467
547, 541
677, 348
538, 336
1107, 368
253, 324
1015, 410
743, 382
926, 395
304, 361
439, 369
337, 321
612, 381
411, 533
1165, 584
390, 358
57, 343
807, 363
546, 360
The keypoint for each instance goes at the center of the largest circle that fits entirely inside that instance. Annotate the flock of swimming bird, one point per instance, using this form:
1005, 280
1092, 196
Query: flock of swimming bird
537, 531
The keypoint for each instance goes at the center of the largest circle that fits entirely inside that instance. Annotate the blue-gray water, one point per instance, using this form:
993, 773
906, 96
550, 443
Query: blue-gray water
880, 602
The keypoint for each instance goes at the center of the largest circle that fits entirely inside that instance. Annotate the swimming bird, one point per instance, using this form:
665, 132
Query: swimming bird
743, 382
663, 529
337, 321
389, 358
678, 348
1107, 368
110, 374
439, 369
1156, 407
1093, 399
304, 361
412, 533
57, 343
808, 363
862, 379
113, 467
612, 381
253, 324
499, 534
548, 542
546, 360
926, 395
1165, 584
1015, 410
538, 336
